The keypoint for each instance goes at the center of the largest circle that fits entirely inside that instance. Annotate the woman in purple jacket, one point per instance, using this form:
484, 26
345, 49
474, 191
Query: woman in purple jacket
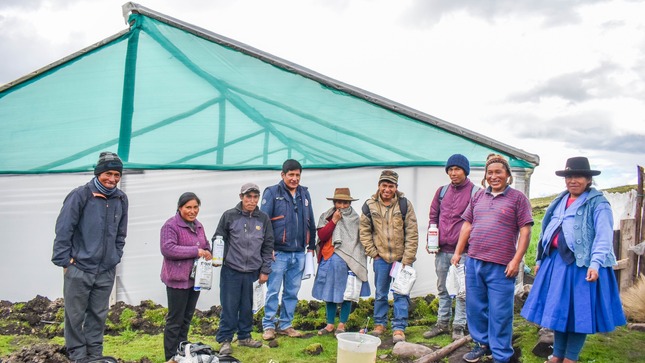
182, 241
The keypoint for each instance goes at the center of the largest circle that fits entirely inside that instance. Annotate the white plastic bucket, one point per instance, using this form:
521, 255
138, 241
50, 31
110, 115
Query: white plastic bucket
357, 348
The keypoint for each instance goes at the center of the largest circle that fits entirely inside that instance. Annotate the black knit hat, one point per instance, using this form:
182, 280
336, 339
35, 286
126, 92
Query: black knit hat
108, 161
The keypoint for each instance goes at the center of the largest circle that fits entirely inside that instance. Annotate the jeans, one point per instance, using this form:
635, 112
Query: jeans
87, 298
382, 282
286, 270
442, 265
236, 296
181, 307
489, 307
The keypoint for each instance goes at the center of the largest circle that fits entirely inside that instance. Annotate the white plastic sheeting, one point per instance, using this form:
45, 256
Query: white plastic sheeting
31, 203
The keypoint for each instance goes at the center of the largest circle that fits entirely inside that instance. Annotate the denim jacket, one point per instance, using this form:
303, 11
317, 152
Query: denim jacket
592, 230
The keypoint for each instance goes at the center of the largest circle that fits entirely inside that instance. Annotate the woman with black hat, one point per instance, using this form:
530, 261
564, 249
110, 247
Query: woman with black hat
339, 252
575, 291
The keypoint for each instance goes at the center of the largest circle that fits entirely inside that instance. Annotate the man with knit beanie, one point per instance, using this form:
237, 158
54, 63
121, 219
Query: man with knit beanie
447, 206
90, 235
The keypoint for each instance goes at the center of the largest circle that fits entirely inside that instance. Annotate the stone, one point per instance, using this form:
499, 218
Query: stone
410, 350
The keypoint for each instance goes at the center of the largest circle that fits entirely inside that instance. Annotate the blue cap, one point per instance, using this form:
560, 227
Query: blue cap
459, 161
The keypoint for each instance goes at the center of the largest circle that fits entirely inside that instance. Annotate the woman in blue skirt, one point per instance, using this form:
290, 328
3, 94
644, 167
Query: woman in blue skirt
339, 253
575, 291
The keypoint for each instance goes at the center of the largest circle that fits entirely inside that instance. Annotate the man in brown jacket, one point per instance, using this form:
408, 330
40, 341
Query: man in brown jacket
390, 234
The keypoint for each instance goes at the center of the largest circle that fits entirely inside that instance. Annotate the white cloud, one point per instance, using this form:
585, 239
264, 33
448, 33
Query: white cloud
555, 78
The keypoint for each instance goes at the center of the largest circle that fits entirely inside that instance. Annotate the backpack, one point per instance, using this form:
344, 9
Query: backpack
444, 188
403, 206
188, 352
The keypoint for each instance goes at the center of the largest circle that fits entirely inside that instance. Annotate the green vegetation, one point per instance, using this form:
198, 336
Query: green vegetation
130, 345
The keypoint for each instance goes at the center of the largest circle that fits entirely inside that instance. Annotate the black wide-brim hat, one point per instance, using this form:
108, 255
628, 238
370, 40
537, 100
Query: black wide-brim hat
578, 165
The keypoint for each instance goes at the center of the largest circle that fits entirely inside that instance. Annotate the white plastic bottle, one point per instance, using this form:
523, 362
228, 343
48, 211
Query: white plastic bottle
218, 251
433, 238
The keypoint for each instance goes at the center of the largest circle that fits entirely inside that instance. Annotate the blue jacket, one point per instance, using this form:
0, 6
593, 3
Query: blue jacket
592, 231
292, 219
91, 228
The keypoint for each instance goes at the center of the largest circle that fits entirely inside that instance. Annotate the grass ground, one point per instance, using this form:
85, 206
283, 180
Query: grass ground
619, 346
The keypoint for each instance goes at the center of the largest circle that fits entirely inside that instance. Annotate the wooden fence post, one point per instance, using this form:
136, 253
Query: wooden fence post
627, 258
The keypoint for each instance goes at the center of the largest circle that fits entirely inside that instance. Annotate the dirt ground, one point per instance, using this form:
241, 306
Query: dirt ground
42, 317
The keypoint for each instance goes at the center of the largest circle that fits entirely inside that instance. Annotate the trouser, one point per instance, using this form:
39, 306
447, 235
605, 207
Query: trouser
345, 310
181, 307
442, 265
236, 297
489, 307
286, 273
382, 282
87, 298
568, 345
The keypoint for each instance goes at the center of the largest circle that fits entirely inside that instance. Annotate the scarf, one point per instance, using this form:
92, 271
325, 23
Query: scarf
346, 240
103, 190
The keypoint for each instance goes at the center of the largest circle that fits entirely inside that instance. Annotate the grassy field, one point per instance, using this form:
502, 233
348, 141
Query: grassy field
621, 345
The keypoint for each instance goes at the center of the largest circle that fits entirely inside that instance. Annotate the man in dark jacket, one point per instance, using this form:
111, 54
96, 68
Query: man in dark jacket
248, 252
288, 204
90, 235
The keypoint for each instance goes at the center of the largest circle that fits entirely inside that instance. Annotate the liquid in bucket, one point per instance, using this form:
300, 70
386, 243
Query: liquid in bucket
357, 348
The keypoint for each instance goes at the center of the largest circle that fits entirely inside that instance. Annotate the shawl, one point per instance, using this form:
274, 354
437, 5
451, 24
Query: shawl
345, 239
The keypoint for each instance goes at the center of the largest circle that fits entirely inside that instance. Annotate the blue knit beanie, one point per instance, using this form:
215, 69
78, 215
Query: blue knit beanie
460, 161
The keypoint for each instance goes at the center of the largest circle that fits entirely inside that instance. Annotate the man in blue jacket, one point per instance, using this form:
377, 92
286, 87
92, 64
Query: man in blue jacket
288, 204
90, 235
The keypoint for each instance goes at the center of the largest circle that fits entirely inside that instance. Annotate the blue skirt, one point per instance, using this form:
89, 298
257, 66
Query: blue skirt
331, 280
562, 300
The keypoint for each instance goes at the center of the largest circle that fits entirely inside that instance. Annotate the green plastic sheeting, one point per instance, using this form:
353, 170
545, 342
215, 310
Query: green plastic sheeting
164, 97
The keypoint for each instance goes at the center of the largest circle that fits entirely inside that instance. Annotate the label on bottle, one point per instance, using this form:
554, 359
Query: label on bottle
218, 251
433, 238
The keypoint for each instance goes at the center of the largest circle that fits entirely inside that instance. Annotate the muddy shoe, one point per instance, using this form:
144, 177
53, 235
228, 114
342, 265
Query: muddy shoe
398, 336
268, 334
248, 342
438, 329
458, 332
378, 330
226, 349
290, 332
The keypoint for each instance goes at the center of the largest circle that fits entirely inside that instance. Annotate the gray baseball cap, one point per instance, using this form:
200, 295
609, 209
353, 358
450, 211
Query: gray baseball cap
249, 187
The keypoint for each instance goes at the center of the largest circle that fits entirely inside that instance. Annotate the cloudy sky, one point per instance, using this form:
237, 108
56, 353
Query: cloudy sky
557, 78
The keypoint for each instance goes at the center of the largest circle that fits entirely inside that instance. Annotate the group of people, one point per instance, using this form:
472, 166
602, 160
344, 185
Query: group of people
485, 229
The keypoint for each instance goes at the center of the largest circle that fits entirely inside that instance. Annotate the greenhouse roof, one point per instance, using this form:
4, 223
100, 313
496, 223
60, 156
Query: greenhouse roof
165, 94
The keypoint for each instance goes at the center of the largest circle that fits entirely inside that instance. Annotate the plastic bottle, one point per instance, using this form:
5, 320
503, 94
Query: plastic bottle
193, 275
433, 238
218, 251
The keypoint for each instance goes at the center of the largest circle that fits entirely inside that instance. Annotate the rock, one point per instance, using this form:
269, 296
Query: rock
544, 346
314, 349
636, 326
410, 350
